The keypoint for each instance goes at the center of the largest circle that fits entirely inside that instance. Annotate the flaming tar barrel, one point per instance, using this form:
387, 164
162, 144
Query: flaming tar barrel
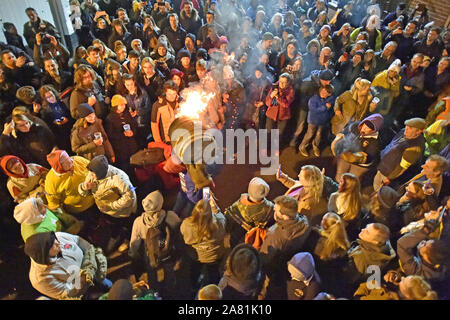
193, 147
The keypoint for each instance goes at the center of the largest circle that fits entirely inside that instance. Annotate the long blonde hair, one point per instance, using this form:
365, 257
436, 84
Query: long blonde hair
359, 85
202, 217
348, 201
416, 288
315, 177
334, 234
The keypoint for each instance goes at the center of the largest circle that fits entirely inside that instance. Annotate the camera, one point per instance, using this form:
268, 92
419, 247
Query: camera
45, 39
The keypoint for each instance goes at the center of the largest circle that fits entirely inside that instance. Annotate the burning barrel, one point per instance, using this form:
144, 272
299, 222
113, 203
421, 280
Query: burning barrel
193, 147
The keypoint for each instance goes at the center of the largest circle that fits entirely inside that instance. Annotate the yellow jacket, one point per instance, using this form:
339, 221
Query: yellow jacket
62, 189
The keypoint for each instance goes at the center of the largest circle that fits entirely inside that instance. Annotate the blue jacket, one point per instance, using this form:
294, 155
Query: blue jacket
319, 114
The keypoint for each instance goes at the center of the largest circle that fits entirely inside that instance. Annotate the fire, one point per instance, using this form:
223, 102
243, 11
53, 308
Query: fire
194, 102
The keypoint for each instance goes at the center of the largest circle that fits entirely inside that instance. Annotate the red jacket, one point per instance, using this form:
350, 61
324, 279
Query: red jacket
282, 111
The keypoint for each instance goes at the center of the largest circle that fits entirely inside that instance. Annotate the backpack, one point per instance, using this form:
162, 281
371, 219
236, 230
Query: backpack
159, 243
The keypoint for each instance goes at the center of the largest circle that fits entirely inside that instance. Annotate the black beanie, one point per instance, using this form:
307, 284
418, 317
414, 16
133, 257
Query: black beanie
183, 53
38, 246
84, 109
99, 166
122, 289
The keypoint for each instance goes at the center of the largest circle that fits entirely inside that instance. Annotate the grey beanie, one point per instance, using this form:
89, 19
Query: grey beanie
99, 166
387, 196
258, 188
153, 202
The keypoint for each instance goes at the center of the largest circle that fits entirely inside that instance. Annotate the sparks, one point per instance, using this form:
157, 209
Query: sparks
194, 102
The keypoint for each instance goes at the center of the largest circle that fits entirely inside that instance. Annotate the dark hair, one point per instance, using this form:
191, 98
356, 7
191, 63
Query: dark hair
127, 76
133, 54
170, 85
30, 9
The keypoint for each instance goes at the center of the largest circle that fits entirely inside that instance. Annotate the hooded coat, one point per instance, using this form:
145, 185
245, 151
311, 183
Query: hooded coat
27, 185
192, 24
62, 188
354, 142
54, 278
152, 217
114, 194
279, 108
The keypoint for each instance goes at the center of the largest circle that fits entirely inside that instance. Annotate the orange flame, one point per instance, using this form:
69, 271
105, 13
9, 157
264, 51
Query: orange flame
194, 102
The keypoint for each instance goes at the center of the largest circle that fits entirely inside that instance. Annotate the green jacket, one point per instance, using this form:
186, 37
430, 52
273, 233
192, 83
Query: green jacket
367, 254
252, 213
378, 40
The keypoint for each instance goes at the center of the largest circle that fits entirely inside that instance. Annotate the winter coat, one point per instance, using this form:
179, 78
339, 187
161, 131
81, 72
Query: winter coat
251, 212
284, 239
56, 280
414, 264
27, 185
208, 250
319, 114
416, 80
140, 102
114, 195
126, 38
279, 108
62, 189
366, 254
123, 146
80, 95
176, 38
351, 111
82, 140
298, 290
162, 116
378, 38
153, 86
387, 91
66, 80
148, 220
192, 24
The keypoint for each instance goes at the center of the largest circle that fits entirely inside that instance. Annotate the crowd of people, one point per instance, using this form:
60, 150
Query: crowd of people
87, 159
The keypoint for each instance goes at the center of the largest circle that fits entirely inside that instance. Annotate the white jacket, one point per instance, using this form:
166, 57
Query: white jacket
114, 195
61, 279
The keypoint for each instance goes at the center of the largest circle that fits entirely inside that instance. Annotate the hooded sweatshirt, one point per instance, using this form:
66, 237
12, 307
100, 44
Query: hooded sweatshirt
62, 187
26, 185
152, 217
53, 277
32, 221
366, 254
305, 282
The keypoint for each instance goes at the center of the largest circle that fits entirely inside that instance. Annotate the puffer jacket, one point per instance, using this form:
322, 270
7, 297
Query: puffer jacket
208, 250
62, 189
366, 254
114, 195
80, 95
251, 212
27, 185
82, 140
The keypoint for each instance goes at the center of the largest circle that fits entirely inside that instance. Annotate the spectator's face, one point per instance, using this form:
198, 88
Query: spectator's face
187, 8
121, 108
55, 249
410, 28
87, 79
185, 62
430, 169
162, 51
50, 97
297, 65
91, 118
324, 94
137, 45
283, 83
416, 62
173, 22
51, 67
411, 132
267, 44
291, 49
313, 50
368, 233
264, 59
432, 36
82, 52
9, 59
443, 64
130, 85
356, 59
258, 74
392, 74
389, 50
93, 56
101, 24
17, 168
424, 247
209, 18
171, 95
365, 130
189, 43
201, 72
32, 15
277, 21
324, 33
22, 126
177, 80
42, 208
134, 62
116, 74
121, 54
148, 68
122, 15
346, 30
